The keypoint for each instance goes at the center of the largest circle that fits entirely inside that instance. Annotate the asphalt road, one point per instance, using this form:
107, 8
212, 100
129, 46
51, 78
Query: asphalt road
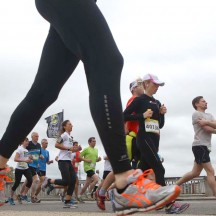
55, 208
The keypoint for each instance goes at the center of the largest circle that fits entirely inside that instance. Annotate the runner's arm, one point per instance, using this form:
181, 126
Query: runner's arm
130, 113
209, 129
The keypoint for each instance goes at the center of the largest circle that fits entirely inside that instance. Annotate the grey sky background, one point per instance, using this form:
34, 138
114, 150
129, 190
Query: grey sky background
175, 40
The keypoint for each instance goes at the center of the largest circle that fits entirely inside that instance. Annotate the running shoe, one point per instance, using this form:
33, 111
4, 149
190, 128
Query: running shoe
69, 205
89, 197
176, 208
11, 201
100, 200
33, 200
50, 188
142, 194
37, 200
19, 199
61, 197
25, 198
45, 184
74, 201
80, 199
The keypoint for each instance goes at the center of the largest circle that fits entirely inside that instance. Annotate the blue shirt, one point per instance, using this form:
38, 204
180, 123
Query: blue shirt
42, 162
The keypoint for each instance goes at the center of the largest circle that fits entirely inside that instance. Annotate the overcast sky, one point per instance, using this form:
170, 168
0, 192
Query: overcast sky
173, 39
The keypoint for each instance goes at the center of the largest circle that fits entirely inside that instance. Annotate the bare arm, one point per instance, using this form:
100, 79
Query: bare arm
203, 122
17, 158
84, 159
209, 129
72, 149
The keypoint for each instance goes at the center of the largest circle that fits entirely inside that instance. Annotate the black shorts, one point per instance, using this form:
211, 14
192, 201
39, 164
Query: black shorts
33, 170
201, 154
90, 173
41, 173
105, 174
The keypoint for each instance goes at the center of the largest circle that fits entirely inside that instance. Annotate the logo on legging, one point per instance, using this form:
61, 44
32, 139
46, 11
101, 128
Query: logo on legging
106, 106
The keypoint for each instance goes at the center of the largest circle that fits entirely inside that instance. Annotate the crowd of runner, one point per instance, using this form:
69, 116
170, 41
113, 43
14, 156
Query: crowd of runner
142, 142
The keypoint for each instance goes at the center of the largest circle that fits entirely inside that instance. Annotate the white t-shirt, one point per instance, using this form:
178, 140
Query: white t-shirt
66, 140
23, 152
107, 165
201, 137
73, 155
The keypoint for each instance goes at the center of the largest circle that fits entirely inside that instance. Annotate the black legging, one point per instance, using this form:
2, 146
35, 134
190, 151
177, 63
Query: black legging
149, 159
18, 176
68, 176
78, 32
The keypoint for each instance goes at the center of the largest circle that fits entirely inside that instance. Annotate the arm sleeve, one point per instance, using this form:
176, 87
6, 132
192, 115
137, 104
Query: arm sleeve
195, 117
212, 117
61, 139
161, 116
18, 151
131, 110
82, 153
48, 158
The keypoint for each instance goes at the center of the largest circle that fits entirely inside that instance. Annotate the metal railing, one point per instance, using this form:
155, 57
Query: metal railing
197, 186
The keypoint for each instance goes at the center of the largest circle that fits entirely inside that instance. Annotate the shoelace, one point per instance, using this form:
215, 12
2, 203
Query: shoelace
143, 183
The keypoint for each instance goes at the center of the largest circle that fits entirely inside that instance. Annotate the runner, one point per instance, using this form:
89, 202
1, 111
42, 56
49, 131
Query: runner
204, 125
90, 156
65, 144
42, 164
34, 149
75, 163
22, 158
131, 127
150, 114
79, 32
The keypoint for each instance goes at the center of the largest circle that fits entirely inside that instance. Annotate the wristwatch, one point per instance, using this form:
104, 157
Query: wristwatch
68, 149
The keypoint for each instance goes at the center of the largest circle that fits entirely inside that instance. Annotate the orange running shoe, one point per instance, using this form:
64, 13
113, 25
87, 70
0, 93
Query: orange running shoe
100, 200
142, 195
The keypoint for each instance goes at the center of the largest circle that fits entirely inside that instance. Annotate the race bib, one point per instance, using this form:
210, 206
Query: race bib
76, 164
152, 126
23, 165
35, 157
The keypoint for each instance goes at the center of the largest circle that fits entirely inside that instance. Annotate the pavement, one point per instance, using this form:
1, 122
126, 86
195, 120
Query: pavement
198, 206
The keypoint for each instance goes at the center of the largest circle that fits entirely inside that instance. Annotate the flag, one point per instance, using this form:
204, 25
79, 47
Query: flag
54, 124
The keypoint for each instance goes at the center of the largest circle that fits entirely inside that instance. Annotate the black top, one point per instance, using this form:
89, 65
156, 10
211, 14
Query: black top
134, 112
32, 146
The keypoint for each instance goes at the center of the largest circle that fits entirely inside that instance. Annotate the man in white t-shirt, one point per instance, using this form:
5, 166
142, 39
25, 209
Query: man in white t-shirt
204, 126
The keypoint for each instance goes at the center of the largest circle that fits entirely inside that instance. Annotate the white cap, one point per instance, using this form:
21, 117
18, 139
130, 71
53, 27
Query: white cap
133, 85
154, 79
